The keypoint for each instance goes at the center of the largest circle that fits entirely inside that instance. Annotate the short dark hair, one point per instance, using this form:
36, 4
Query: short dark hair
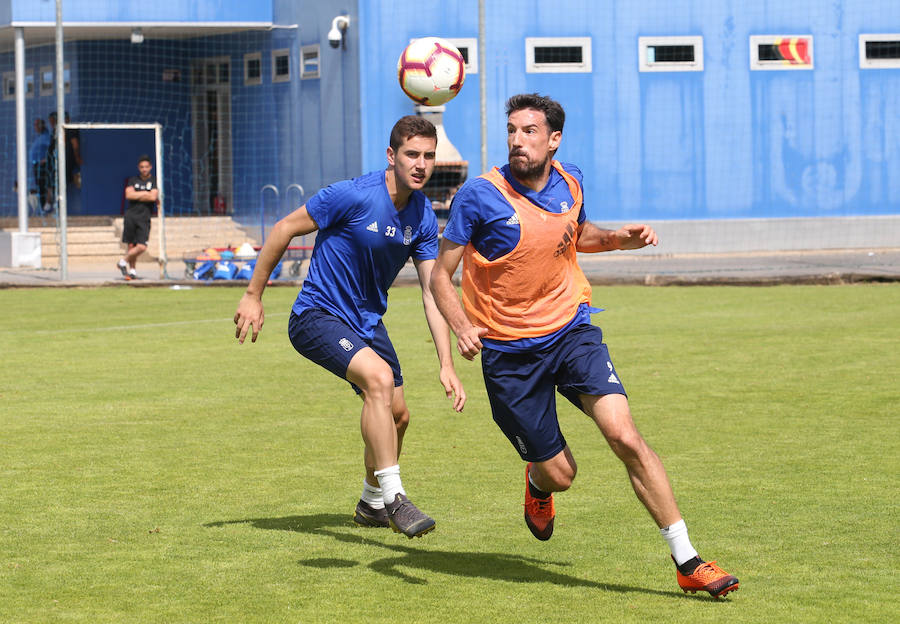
144, 157
553, 110
410, 126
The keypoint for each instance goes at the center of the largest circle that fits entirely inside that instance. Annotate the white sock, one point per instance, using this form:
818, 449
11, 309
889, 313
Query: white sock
679, 542
389, 480
372, 495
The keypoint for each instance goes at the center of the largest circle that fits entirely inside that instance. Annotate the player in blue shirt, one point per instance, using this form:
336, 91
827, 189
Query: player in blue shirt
526, 309
368, 227
39, 166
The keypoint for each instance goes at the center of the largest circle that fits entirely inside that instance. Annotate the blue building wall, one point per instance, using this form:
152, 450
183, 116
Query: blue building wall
724, 142
124, 88
301, 132
98, 11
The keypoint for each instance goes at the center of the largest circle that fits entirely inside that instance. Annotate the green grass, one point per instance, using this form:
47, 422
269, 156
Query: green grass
153, 470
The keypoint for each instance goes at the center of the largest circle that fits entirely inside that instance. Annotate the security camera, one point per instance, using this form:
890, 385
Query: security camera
338, 27
334, 37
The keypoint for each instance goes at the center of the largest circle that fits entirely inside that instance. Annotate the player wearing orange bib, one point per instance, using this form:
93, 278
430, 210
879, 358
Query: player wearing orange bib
526, 308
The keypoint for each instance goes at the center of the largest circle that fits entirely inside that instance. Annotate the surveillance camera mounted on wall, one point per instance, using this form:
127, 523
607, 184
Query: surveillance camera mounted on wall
339, 27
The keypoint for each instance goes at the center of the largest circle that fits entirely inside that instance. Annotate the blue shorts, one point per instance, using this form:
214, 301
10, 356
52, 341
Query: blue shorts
329, 342
520, 387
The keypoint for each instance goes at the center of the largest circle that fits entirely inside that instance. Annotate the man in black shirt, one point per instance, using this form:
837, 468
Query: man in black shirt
142, 193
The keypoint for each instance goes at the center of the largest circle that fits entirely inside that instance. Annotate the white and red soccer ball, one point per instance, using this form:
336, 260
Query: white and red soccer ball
431, 71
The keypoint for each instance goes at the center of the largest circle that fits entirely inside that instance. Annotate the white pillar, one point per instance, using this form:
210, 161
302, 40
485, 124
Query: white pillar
21, 134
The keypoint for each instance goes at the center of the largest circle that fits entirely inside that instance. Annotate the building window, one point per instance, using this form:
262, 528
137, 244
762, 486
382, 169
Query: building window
309, 61
778, 52
46, 84
253, 68
67, 79
468, 48
879, 51
208, 71
670, 54
281, 65
9, 85
557, 55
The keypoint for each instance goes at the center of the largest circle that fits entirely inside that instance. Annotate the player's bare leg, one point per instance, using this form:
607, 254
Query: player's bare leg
651, 485
370, 510
541, 480
376, 380
134, 252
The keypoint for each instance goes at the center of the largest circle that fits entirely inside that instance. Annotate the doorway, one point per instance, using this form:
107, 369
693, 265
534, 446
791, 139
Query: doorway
211, 128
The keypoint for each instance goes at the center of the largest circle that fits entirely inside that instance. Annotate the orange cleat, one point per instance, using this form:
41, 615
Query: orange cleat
539, 512
707, 577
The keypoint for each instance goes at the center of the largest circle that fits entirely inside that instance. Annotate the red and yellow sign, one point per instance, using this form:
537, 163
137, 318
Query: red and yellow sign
793, 50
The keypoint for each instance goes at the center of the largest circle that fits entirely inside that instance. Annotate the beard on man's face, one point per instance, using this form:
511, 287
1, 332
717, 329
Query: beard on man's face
526, 169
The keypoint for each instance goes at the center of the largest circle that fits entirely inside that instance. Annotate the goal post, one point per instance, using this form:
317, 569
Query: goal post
158, 168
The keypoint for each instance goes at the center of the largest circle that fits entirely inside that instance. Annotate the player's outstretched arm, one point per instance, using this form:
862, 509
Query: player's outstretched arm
249, 315
468, 337
440, 333
632, 236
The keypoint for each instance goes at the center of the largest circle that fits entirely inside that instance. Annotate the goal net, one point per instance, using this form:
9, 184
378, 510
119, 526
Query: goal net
212, 107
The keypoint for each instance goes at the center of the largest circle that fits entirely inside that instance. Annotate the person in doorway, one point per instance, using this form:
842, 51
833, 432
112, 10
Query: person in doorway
368, 228
526, 307
73, 155
38, 156
142, 193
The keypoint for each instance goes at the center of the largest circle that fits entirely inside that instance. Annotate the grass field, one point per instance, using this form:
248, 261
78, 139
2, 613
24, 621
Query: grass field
153, 470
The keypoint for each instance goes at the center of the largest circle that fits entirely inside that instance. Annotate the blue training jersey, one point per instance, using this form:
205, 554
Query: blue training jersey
481, 215
362, 243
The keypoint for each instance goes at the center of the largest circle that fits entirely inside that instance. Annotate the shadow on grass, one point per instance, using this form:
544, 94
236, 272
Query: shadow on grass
493, 566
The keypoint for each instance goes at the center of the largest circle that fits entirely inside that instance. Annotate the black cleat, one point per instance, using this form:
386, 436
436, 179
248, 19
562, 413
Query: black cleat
404, 517
368, 516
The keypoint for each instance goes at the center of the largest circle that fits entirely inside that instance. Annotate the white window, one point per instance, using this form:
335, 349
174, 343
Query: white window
309, 61
46, 82
281, 65
67, 78
778, 52
9, 85
211, 71
468, 47
879, 51
670, 54
557, 55
253, 68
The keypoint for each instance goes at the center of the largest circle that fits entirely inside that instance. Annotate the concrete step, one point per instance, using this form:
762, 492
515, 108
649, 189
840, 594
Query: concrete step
98, 238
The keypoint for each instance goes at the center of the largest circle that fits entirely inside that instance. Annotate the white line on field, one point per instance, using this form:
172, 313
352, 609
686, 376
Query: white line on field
144, 325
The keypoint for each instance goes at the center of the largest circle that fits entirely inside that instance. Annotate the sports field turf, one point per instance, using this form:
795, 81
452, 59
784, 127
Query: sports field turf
153, 470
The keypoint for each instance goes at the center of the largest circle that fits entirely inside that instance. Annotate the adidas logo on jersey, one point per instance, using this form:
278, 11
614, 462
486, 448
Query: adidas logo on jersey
612, 379
372, 227
513, 220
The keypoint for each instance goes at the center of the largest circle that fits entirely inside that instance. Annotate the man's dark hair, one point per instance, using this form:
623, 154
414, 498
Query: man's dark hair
410, 126
553, 111
144, 157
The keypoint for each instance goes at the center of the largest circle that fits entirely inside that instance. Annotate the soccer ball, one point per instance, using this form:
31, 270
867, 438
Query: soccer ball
431, 71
